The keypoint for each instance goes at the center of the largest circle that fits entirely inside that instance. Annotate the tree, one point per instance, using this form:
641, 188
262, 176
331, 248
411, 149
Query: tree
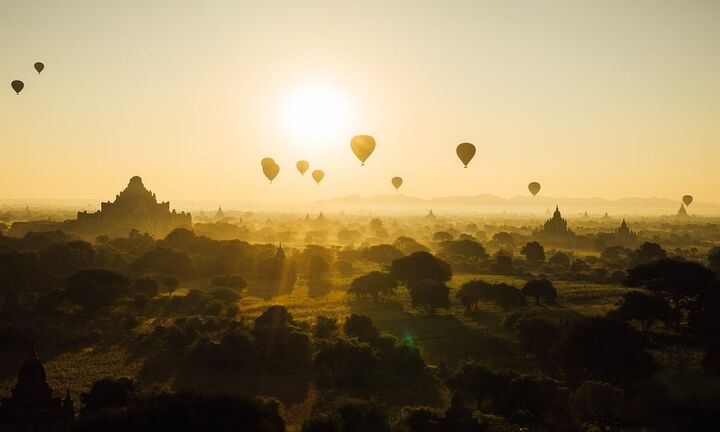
502, 264
429, 294
418, 266
352, 416
344, 362
713, 258
644, 308
171, 283
324, 327
94, 289
318, 267
184, 412
678, 282
605, 349
711, 360
648, 252
409, 245
616, 254
540, 289
465, 248
108, 393
537, 336
382, 254
560, 259
472, 292
64, 258
146, 286
506, 296
362, 328
442, 236
180, 238
140, 301
373, 285
597, 403
504, 239
167, 261
534, 252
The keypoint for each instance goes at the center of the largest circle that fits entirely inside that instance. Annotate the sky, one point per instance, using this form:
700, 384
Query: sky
589, 98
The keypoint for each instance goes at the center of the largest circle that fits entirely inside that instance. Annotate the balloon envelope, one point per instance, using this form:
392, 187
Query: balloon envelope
534, 188
688, 199
465, 152
39, 66
302, 166
17, 85
362, 146
267, 162
271, 170
318, 175
397, 182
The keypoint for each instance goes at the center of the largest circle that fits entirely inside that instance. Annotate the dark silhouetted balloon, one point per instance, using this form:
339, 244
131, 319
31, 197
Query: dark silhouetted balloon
688, 199
397, 182
362, 146
39, 66
302, 166
318, 175
17, 85
270, 168
534, 188
465, 152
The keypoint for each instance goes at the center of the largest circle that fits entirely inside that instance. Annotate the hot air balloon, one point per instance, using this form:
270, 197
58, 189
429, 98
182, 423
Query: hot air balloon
302, 166
687, 199
318, 175
534, 188
17, 85
465, 152
397, 182
39, 66
270, 168
362, 146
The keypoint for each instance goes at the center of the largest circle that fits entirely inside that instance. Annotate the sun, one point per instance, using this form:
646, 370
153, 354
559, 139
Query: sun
315, 114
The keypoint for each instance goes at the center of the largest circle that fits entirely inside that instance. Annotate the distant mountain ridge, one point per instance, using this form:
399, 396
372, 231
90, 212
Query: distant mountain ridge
665, 205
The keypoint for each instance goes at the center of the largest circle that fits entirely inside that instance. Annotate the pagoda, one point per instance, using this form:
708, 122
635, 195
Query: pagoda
682, 213
32, 406
556, 228
134, 208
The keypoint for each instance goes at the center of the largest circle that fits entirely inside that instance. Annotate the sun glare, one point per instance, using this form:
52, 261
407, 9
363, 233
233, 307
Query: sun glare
315, 114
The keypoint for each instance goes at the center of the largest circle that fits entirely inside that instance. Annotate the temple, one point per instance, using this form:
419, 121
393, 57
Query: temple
624, 231
624, 235
682, 213
31, 405
555, 228
134, 208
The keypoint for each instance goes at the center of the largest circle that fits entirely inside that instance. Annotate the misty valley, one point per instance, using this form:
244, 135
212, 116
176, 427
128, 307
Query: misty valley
137, 314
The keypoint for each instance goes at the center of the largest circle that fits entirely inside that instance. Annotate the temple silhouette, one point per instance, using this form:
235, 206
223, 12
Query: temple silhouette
134, 208
624, 234
31, 406
555, 229
682, 213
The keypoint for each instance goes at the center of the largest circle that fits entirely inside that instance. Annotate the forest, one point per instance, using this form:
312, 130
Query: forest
279, 322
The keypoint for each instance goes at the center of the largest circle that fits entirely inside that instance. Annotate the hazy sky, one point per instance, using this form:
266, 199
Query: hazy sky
590, 98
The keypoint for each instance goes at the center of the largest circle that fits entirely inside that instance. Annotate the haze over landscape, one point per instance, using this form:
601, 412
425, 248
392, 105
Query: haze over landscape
344, 216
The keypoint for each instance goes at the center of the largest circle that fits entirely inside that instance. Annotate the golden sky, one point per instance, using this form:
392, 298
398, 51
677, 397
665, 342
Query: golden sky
590, 98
